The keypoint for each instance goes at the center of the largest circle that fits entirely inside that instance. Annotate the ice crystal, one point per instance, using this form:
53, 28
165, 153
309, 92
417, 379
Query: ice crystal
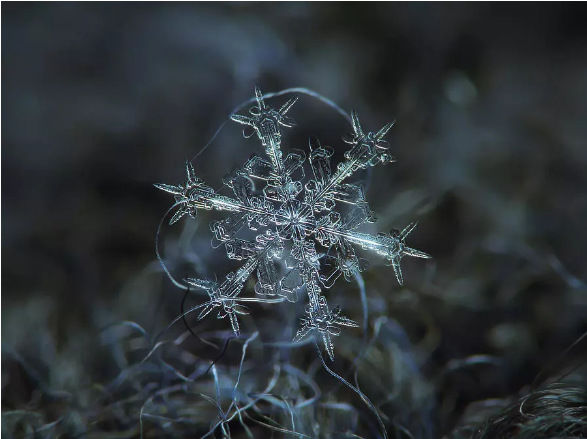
305, 234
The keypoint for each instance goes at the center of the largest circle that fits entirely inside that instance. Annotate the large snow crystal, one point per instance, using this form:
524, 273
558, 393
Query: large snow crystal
305, 228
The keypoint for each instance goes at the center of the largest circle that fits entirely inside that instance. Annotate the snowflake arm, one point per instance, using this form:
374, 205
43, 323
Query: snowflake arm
194, 195
366, 150
222, 296
266, 122
391, 246
324, 323
225, 296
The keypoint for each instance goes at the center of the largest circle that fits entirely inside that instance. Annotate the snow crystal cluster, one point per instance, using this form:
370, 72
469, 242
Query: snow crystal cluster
305, 229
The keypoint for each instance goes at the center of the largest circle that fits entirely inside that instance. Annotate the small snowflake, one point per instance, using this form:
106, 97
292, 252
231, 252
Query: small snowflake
305, 229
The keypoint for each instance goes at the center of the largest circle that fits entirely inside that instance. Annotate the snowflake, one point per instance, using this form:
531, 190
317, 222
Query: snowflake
304, 235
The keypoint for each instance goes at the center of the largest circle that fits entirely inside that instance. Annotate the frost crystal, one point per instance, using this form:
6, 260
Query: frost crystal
305, 234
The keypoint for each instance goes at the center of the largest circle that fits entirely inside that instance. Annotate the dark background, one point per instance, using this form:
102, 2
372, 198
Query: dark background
102, 100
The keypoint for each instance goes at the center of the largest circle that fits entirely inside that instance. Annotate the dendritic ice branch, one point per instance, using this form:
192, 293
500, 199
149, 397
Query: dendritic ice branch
305, 229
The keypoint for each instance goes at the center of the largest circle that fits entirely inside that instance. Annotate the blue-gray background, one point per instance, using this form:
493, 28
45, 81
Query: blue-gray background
101, 100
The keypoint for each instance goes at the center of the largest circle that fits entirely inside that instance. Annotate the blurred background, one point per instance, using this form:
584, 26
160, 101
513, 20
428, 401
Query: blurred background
100, 101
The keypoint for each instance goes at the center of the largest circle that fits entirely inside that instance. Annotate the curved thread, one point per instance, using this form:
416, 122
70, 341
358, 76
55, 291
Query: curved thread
302, 90
188, 327
157, 252
366, 400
